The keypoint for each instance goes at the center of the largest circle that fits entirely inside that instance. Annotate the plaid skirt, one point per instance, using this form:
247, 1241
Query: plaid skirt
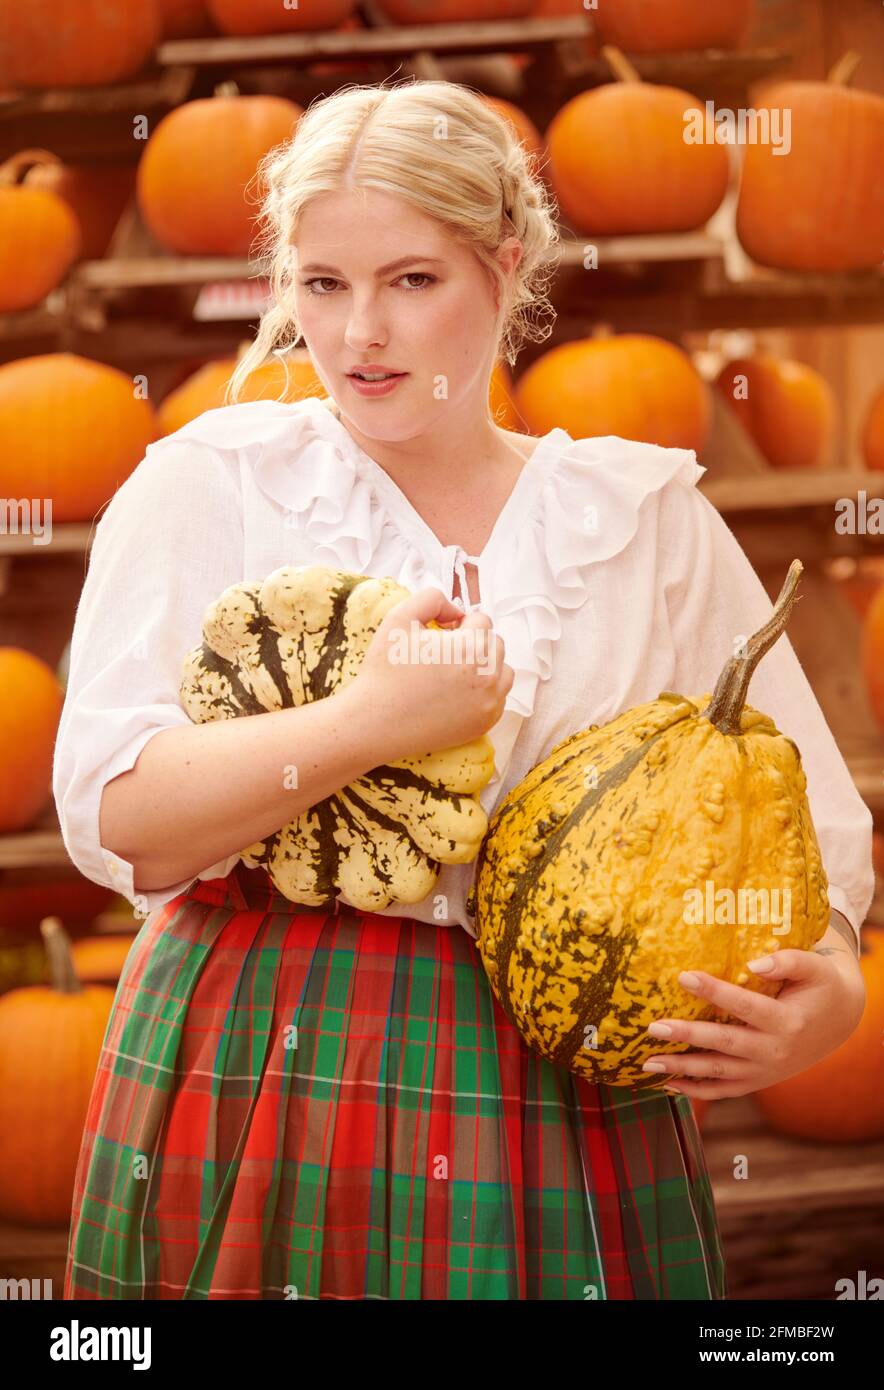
299, 1102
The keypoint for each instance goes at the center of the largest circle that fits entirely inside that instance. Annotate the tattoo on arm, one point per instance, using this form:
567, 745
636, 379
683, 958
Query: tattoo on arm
843, 928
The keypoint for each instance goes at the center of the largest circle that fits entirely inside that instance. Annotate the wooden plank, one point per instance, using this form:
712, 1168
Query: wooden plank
472, 36
779, 490
645, 248
92, 124
68, 538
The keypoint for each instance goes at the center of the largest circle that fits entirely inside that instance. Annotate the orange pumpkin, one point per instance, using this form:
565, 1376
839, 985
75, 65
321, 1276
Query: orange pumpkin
205, 390
873, 434
30, 708
273, 17
195, 204
185, 19
619, 161
820, 206
647, 26
787, 407
840, 1099
44, 44
95, 194
50, 1045
99, 960
39, 235
71, 430
859, 578
501, 400
872, 654
631, 385
453, 11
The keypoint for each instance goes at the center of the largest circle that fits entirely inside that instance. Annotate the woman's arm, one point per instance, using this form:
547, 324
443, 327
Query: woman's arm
201, 793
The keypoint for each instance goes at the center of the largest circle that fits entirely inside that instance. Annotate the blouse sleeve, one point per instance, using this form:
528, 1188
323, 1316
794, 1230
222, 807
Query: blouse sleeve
713, 596
168, 543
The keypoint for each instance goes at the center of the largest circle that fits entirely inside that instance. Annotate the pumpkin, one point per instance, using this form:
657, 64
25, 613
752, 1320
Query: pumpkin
820, 206
453, 11
96, 195
184, 19
100, 959
39, 235
30, 708
205, 390
195, 182
50, 1044
872, 654
840, 1099
299, 636
873, 435
501, 400
859, 578
44, 44
787, 407
629, 384
71, 430
589, 880
646, 26
521, 124
619, 161
274, 17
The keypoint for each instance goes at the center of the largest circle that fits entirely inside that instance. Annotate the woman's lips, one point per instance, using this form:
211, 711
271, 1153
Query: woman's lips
376, 388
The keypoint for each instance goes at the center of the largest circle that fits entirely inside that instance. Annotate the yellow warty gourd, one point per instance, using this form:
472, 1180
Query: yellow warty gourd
676, 836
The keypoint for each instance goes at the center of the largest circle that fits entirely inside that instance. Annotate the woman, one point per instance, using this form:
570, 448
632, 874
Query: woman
323, 1102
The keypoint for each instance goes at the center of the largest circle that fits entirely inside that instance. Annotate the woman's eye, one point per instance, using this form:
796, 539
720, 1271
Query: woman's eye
419, 275
409, 275
320, 280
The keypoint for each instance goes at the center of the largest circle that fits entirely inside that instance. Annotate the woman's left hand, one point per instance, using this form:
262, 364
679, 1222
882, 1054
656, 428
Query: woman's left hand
817, 1008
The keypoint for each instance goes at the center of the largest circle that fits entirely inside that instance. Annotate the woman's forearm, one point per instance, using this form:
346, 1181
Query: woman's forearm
202, 792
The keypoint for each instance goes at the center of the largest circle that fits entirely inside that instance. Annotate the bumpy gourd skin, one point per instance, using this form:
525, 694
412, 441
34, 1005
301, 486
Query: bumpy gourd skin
579, 888
299, 636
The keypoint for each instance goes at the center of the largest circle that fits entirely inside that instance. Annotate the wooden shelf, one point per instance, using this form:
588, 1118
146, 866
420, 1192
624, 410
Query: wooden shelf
91, 124
392, 41
807, 1213
782, 489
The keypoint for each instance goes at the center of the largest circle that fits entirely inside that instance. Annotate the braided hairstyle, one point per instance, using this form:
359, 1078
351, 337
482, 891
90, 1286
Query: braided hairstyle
436, 145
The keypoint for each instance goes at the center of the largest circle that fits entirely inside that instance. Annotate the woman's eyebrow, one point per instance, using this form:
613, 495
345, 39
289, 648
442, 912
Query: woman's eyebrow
383, 270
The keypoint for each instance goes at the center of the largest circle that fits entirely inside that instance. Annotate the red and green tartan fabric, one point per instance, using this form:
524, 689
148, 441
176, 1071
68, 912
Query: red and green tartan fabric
302, 1103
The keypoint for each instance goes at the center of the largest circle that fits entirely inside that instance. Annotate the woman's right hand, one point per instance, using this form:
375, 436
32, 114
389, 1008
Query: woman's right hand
453, 695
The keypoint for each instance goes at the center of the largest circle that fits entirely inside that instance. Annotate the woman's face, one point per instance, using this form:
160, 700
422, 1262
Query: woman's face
379, 284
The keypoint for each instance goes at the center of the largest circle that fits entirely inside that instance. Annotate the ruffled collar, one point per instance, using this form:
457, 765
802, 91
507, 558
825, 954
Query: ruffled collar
575, 504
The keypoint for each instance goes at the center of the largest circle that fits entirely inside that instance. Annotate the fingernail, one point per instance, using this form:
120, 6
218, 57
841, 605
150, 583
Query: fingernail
761, 964
673, 1090
689, 980
660, 1030
653, 1066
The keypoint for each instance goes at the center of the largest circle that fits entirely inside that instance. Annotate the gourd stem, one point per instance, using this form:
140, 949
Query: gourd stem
62, 974
845, 67
16, 168
619, 64
729, 696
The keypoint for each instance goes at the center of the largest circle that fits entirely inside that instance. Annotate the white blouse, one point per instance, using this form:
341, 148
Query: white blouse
608, 575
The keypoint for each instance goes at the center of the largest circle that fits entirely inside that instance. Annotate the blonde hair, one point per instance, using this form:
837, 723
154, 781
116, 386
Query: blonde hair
441, 148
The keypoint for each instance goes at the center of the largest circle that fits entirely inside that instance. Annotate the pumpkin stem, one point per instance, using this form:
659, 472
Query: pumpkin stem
619, 64
226, 89
16, 169
62, 974
845, 67
729, 696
